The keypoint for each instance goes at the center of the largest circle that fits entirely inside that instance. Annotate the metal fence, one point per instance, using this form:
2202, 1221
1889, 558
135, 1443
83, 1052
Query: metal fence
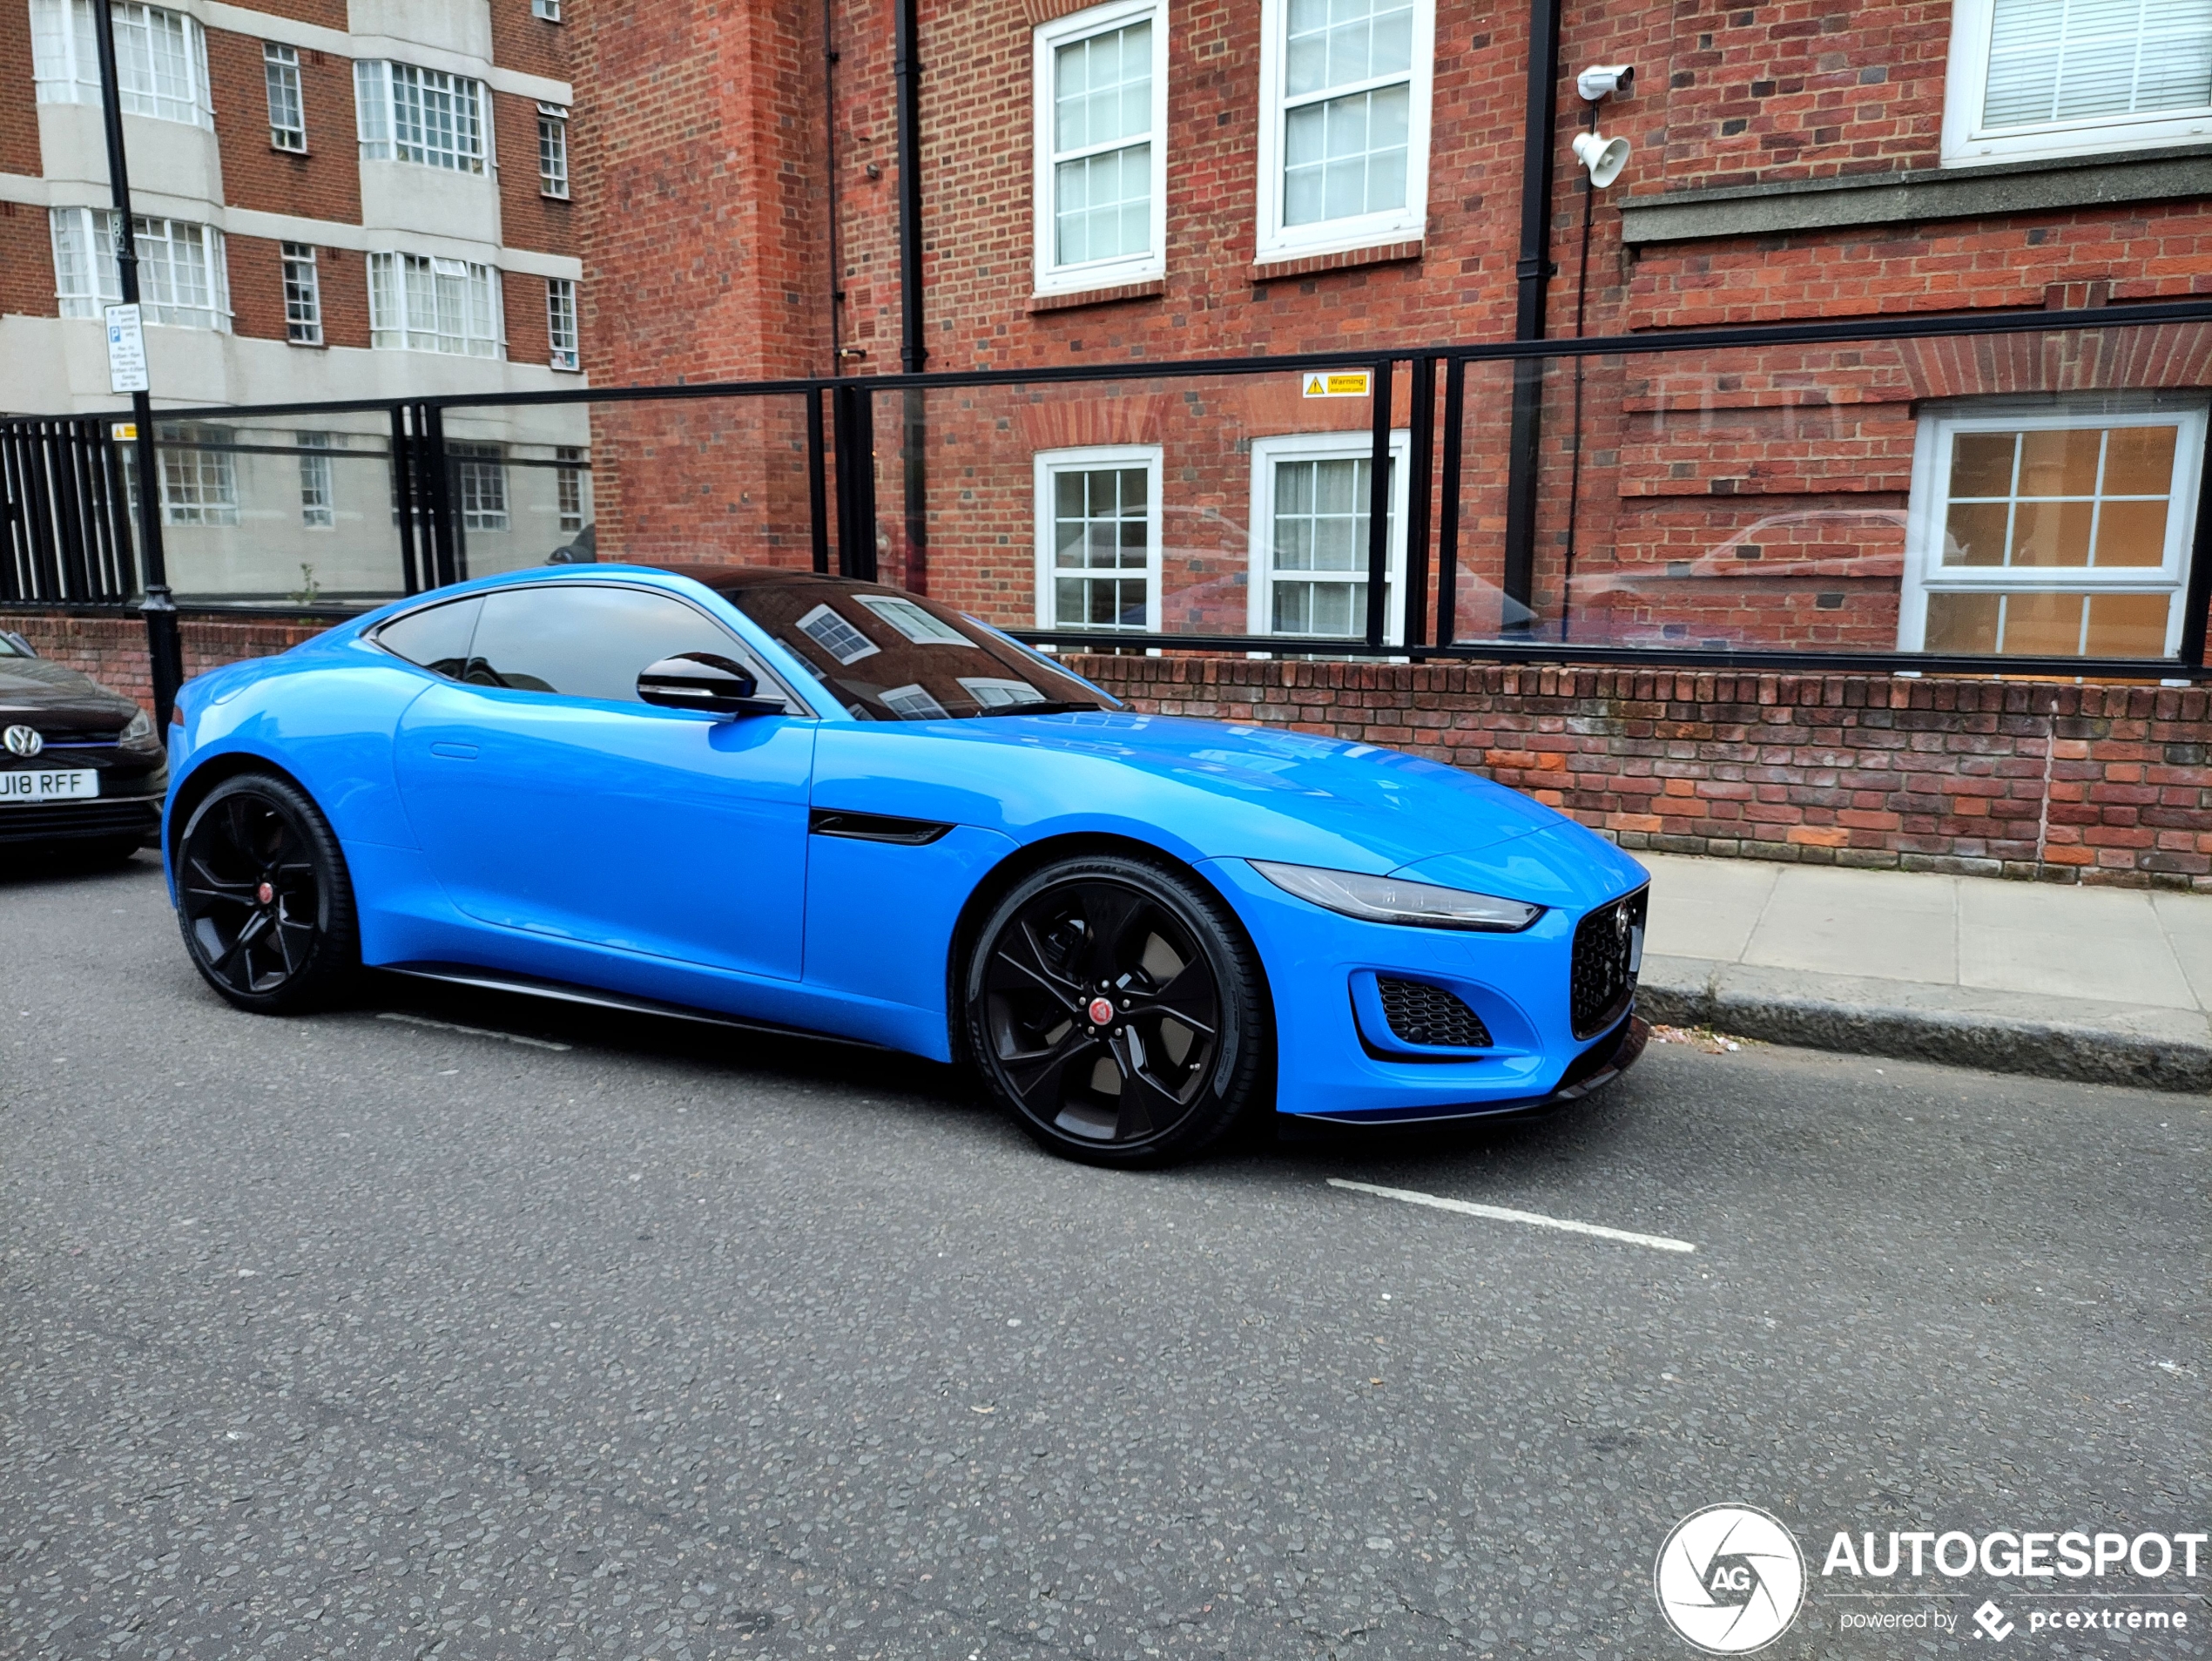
2016, 494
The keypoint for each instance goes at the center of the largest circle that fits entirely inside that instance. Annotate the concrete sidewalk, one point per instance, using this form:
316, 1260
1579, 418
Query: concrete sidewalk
2110, 985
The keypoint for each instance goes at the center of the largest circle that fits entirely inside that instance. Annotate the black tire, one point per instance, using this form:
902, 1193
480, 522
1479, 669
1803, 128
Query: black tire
263, 897
1188, 1046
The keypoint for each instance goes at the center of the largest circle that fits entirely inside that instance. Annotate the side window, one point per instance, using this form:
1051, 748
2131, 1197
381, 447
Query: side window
436, 637
590, 642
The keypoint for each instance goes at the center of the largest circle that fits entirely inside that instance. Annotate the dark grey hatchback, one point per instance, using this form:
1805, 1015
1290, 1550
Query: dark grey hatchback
81, 771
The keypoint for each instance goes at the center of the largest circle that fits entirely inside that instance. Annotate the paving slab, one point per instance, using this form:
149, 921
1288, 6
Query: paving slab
2098, 984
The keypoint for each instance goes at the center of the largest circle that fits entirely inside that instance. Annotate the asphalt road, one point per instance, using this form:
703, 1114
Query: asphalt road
354, 1335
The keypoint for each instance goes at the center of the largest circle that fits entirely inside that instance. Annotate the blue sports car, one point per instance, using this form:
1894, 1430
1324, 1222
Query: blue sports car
786, 800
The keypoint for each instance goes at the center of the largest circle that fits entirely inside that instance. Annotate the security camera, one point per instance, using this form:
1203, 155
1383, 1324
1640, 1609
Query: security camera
1601, 81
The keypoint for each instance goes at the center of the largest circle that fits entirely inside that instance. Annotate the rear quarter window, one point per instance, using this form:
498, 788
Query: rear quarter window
436, 637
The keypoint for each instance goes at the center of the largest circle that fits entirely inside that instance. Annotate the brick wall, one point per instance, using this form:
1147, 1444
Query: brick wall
325, 182
343, 276
2057, 782
527, 217
19, 150
2108, 785
527, 42
26, 262
256, 266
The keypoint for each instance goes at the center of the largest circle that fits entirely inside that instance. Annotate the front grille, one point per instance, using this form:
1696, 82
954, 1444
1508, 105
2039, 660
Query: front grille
1609, 946
80, 738
50, 819
1428, 1015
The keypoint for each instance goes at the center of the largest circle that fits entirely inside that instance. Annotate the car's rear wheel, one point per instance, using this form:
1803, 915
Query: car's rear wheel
263, 897
1114, 1008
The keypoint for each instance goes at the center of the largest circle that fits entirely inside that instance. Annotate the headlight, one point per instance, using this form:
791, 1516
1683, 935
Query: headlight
1387, 899
141, 727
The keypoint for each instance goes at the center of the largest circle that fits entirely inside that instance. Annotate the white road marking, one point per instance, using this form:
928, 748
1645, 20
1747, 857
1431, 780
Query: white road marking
1500, 1215
473, 1032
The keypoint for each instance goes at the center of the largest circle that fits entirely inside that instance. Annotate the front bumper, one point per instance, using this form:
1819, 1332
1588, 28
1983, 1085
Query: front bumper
1519, 985
107, 818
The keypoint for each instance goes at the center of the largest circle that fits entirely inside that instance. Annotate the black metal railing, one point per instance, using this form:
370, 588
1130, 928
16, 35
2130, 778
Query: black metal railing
661, 474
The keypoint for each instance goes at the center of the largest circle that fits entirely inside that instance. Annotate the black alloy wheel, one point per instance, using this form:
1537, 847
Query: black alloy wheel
1117, 1010
263, 898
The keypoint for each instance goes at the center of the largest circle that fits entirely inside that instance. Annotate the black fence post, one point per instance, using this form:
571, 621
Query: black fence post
1447, 531
449, 540
1378, 507
852, 419
817, 482
1418, 490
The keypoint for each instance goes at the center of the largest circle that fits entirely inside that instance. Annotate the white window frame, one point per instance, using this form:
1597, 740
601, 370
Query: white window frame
86, 235
479, 471
553, 126
199, 474
1275, 241
376, 126
1925, 572
65, 59
568, 486
1967, 142
389, 310
1049, 464
1051, 277
281, 68
1327, 447
564, 345
548, 10
302, 277
318, 482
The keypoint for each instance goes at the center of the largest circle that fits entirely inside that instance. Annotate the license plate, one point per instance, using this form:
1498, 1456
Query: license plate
21, 785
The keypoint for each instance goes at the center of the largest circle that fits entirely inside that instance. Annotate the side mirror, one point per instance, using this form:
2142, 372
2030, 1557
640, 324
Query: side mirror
701, 680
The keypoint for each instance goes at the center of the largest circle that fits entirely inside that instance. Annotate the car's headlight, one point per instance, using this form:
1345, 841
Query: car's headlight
141, 727
1389, 899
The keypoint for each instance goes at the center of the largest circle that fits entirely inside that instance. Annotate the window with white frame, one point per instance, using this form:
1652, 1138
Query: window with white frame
160, 59
182, 279
419, 303
561, 338
1344, 126
567, 485
2032, 78
1101, 130
553, 150
549, 10
1312, 499
2052, 529
480, 484
318, 498
302, 295
288, 109
198, 475
420, 115
1098, 537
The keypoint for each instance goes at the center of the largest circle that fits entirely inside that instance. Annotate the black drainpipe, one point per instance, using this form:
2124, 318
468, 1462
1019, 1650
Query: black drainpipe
1534, 273
905, 70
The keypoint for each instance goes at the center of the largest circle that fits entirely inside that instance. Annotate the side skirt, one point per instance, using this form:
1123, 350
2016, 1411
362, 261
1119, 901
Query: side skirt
564, 992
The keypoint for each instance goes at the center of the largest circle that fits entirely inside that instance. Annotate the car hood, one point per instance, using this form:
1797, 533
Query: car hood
45, 695
1216, 789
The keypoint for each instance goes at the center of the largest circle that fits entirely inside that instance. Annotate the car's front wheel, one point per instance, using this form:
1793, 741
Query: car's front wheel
263, 897
1116, 1009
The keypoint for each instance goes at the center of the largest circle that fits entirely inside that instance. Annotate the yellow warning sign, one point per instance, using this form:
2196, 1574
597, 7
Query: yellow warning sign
123, 431
1356, 384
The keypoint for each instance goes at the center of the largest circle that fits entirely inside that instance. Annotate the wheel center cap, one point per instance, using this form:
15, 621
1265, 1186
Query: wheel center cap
265, 893
1101, 1011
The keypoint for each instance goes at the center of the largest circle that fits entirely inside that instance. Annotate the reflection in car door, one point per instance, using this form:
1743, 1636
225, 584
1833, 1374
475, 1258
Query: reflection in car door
548, 798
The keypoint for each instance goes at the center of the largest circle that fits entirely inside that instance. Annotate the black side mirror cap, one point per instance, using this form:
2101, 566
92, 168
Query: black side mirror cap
702, 681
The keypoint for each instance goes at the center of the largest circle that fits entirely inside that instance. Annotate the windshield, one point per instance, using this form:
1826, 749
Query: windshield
892, 656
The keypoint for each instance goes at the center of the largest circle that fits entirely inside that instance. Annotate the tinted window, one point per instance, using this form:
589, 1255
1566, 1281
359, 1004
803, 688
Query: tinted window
890, 657
590, 642
436, 637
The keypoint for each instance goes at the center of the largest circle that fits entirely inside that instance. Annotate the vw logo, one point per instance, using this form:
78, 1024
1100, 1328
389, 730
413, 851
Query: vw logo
1729, 1579
23, 740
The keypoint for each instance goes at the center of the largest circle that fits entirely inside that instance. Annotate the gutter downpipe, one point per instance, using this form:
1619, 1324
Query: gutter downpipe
1533, 272
905, 70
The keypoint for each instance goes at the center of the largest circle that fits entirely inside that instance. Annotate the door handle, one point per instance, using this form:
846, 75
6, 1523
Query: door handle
456, 752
